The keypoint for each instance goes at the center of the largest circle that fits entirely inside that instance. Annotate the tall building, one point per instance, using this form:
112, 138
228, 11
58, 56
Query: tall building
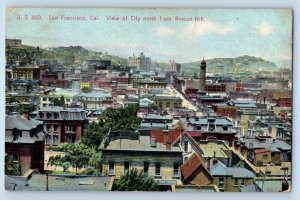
202, 76
141, 62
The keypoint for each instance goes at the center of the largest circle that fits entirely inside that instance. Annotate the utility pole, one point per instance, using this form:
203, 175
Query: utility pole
47, 182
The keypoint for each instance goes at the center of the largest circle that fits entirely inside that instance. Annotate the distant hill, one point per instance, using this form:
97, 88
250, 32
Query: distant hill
238, 64
68, 55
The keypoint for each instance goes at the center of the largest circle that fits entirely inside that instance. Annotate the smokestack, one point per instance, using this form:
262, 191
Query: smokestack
208, 163
202, 76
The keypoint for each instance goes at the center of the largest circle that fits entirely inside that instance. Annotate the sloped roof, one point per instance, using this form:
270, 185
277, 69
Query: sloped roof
191, 165
220, 169
20, 123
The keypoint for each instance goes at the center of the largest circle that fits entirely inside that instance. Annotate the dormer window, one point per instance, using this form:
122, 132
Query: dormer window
56, 115
41, 115
48, 115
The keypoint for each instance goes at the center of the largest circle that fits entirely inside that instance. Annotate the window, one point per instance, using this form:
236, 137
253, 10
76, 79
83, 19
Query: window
48, 139
55, 127
44, 99
111, 169
176, 169
48, 115
168, 104
186, 146
55, 139
48, 128
126, 167
69, 138
56, 115
242, 182
146, 168
225, 128
236, 182
221, 184
157, 169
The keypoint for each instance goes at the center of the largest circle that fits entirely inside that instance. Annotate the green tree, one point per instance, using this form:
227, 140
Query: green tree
59, 101
135, 181
85, 90
78, 156
12, 168
93, 135
120, 118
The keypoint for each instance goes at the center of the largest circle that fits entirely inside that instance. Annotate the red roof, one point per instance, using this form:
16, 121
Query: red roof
258, 151
191, 165
194, 133
163, 136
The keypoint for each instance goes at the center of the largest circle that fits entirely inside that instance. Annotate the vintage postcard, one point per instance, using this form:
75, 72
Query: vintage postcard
148, 99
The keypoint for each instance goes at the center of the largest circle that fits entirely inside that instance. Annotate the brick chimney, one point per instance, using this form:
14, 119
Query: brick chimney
208, 163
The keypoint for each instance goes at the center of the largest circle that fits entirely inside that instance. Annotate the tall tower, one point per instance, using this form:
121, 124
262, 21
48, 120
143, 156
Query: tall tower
202, 76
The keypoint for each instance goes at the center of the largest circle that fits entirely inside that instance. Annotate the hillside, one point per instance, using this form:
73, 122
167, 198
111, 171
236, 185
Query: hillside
67, 55
238, 64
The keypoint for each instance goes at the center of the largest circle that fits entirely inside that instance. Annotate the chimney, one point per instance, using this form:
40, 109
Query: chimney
208, 163
25, 115
215, 162
168, 146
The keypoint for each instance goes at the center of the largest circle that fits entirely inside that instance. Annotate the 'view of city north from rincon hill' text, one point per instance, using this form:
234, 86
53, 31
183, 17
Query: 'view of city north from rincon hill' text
140, 99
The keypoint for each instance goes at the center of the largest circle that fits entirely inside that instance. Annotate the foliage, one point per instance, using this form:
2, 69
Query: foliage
12, 168
135, 181
59, 102
76, 155
85, 90
93, 135
120, 118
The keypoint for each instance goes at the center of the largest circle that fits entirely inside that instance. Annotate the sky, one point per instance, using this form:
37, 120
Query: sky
265, 33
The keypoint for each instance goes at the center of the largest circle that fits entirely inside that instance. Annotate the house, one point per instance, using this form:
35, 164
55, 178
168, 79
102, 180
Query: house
262, 150
201, 128
122, 151
62, 124
94, 100
230, 179
167, 102
24, 142
194, 172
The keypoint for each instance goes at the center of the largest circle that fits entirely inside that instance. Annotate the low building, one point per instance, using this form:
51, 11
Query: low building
62, 124
220, 128
24, 142
167, 102
123, 151
230, 179
94, 100
194, 172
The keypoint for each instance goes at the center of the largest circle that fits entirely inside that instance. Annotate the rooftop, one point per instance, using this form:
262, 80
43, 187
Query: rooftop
138, 143
212, 149
59, 183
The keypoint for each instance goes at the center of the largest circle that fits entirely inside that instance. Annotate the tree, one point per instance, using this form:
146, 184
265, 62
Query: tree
59, 102
120, 118
78, 156
85, 90
93, 135
11, 167
135, 181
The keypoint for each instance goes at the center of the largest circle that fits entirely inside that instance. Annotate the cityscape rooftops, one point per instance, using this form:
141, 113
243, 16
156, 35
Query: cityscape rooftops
132, 141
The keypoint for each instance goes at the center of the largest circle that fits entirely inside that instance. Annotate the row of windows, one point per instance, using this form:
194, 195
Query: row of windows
111, 169
236, 183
